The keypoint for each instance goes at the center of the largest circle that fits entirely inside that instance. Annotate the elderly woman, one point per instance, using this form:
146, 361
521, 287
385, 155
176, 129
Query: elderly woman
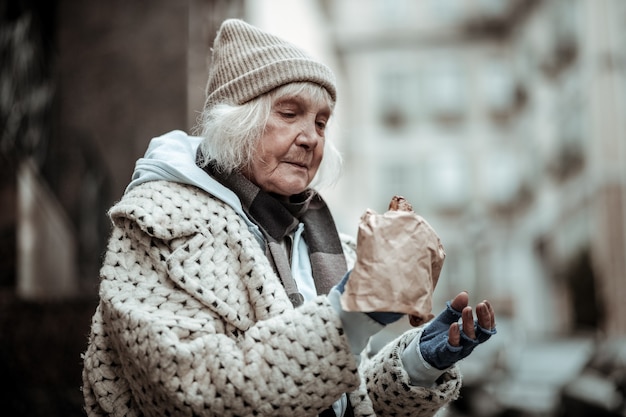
220, 288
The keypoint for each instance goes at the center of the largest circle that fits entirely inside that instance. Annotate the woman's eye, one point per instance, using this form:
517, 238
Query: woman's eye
321, 125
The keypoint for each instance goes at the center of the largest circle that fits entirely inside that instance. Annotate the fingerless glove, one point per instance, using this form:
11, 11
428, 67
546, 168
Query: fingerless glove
435, 347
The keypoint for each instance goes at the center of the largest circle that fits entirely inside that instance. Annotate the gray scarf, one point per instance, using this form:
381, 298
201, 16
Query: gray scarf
277, 219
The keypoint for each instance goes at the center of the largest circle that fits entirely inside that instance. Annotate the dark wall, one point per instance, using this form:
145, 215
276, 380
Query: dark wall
121, 79
122, 76
90, 82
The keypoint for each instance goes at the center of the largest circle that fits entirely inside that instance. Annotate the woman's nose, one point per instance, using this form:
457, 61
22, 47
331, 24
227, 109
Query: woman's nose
308, 136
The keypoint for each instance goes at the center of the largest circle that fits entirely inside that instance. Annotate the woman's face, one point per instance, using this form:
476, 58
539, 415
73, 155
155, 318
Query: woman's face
291, 148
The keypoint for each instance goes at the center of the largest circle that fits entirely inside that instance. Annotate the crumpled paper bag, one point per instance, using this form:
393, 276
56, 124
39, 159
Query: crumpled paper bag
399, 259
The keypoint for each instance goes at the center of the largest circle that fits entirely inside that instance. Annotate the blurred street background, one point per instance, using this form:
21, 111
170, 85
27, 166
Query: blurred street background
502, 121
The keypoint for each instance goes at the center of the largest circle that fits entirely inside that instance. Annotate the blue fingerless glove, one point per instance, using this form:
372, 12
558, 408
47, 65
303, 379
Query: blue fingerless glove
383, 318
434, 345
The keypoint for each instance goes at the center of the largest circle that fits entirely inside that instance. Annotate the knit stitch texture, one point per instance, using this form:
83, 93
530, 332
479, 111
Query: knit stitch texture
193, 321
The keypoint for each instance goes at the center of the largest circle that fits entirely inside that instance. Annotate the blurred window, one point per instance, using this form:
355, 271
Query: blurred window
402, 178
449, 181
498, 83
571, 154
566, 22
446, 11
393, 11
501, 179
494, 8
398, 98
445, 82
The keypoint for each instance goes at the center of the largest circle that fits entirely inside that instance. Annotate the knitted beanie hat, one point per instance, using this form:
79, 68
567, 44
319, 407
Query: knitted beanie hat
248, 62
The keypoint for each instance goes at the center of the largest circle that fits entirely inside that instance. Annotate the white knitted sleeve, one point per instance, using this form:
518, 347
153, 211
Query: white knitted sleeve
390, 389
200, 325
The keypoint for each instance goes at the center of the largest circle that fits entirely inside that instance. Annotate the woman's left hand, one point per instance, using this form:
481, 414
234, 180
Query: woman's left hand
486, 320
445, 341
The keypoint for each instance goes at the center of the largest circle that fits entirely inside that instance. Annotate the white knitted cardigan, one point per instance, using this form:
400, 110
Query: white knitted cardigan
192, 321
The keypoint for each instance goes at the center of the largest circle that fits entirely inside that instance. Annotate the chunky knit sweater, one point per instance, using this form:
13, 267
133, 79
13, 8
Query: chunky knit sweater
193, 321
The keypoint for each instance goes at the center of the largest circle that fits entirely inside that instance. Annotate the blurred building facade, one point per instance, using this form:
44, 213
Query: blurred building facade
503, 123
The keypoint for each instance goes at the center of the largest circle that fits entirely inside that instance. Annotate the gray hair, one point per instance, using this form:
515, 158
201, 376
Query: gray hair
229, 132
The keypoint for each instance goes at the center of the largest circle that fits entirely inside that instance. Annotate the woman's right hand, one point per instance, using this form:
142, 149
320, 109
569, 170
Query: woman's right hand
381, 317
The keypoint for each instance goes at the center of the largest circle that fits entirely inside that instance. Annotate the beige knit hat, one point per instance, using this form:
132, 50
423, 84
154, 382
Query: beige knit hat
247, 62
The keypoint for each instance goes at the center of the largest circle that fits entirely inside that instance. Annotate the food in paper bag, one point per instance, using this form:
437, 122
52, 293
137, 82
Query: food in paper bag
399, 259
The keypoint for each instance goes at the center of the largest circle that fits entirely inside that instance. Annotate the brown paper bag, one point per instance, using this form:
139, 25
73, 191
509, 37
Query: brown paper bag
399, 259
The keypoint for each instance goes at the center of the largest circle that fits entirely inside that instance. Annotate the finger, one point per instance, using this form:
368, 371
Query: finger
415, 320
492, 313
484, 316
468, 322
460, 301
454, 334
